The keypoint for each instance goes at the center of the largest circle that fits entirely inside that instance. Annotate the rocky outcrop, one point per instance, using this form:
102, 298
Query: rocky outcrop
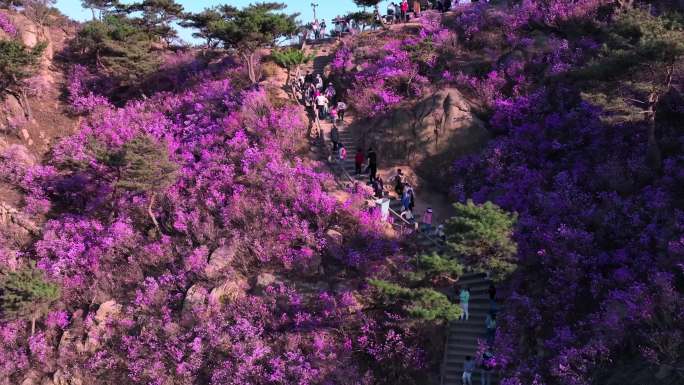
435, 130
220, 260
48, 118
9, 216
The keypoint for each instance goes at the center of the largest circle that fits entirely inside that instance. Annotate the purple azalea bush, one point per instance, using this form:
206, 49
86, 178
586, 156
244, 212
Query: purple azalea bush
188, 304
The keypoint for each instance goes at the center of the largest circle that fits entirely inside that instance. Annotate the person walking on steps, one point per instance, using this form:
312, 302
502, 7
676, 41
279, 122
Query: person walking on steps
359, 158
412, 197
342, 153
319, 82
490, 327
406, 198
427, 220
487, 365
322, 104
341, 108
492, 297
468, 368
372, 164
398, 179
335, 137
330, 92
378, 187
464, 297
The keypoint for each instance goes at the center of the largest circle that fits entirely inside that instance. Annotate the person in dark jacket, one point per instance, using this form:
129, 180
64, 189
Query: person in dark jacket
372, 163
335, 137
359, 158
492, 298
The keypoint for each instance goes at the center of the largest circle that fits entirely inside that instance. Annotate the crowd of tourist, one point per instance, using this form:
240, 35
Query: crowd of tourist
397, 12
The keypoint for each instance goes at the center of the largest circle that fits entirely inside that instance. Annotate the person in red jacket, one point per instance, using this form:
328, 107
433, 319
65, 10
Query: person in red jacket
404, 11
358, 160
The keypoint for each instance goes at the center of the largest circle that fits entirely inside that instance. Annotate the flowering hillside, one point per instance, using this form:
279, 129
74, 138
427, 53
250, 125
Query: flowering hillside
191, 245
585, 101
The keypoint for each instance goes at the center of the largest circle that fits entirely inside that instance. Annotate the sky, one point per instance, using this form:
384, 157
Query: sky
327, 9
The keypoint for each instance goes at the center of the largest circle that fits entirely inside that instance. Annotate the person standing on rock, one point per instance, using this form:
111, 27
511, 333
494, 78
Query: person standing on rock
390, 12
372, 164
404, 11
464, 297
416, 8
316, 29
468, 368
359, 158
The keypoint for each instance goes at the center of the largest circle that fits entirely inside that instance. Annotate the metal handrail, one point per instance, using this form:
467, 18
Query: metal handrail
394, 213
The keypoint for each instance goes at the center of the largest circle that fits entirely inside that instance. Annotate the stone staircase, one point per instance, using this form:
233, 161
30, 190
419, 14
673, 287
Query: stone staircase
462, 336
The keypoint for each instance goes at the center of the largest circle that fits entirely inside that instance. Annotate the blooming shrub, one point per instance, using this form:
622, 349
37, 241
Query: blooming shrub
240, 185
381, 74
6, 25
595, 220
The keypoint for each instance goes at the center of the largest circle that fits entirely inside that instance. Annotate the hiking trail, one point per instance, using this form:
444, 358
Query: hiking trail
462, 336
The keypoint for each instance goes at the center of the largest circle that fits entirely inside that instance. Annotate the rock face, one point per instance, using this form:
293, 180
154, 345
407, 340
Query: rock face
107, 310
220, 260
435, 131
48, 118
232, 289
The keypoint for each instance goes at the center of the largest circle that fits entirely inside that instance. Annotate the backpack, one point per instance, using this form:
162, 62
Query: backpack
343, 153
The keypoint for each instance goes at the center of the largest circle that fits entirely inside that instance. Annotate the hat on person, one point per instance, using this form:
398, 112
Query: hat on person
429, 209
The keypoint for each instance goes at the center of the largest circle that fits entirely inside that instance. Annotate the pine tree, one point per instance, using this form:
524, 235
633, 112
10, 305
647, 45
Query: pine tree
416, 292
26, 294
102, 6
118, 47
157, 16
145, 167
420, 303
635, 68
39, 11
291, 59
367, 3
252, 28
481, 235
202, 22
18, 63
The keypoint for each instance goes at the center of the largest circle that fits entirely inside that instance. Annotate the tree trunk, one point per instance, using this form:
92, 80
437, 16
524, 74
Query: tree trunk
151, 213
33, 325
249, 60
27, 106
653, 155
